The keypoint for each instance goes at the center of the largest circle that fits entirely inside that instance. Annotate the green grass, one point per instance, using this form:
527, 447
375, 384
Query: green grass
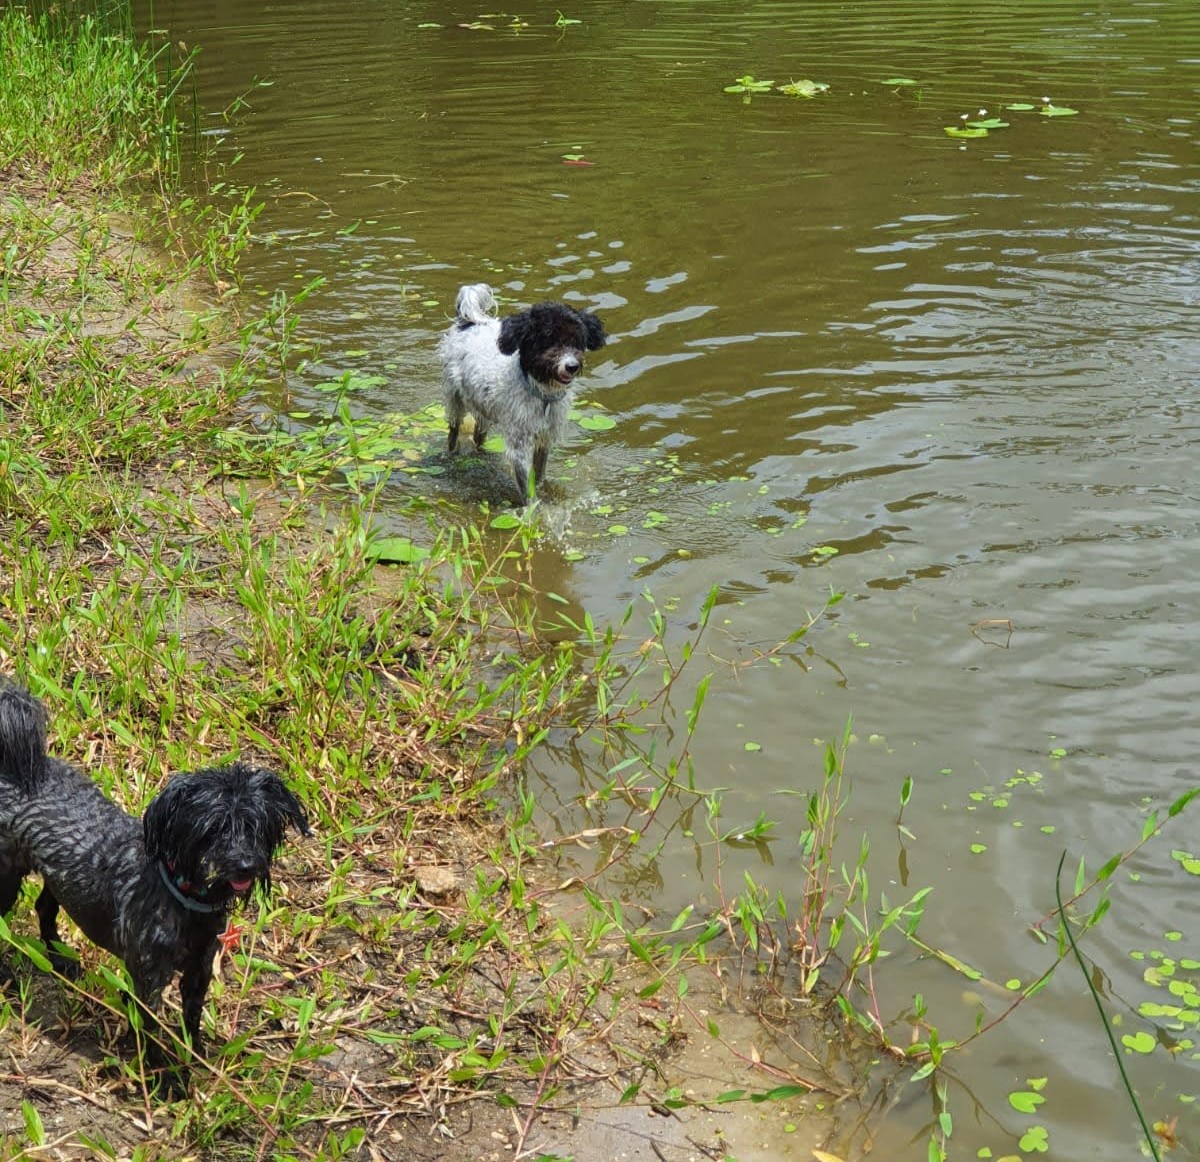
80, 101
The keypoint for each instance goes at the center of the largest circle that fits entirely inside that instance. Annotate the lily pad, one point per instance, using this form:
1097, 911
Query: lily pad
1035, 1140
964, 131
1020, 107
898, 81
990, 123
1024, 1101
597, 423
1057, 111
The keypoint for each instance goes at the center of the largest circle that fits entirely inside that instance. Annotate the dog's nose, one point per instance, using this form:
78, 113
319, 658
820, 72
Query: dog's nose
572, 366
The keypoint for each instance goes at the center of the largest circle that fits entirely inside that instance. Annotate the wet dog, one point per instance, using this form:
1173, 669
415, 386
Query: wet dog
155, 893
515, 374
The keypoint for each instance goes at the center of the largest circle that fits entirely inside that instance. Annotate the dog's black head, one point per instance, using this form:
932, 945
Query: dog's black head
551, 338
216, 831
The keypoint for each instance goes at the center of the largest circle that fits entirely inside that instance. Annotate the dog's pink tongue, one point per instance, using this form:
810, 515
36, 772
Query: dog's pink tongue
240, 885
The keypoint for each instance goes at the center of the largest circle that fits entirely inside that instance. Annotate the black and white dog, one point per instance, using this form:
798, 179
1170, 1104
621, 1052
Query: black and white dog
157, 893
515, 374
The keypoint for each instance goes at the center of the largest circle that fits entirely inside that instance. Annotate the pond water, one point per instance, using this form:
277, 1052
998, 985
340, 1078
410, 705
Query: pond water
954, 379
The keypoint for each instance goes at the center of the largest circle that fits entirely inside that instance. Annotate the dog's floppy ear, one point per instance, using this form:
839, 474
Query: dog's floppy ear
512, 333
283, 805
594, 329
168, 814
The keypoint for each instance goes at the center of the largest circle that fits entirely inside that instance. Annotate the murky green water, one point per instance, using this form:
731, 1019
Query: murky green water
969, 367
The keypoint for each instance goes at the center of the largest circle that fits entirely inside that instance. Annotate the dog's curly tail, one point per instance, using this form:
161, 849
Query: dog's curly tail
23, 722
476, 303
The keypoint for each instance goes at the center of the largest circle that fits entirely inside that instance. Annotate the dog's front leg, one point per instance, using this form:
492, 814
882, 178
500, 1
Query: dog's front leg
520, 454
193, 987
164, 1069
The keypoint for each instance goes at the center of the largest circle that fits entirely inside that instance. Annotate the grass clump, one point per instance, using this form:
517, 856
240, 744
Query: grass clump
81, 102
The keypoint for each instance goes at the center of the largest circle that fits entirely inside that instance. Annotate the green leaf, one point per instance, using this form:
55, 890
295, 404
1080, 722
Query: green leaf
1024, 1101
903, 81
1035, 1140
394, 551
1020, 106
804, 88
728, 1096
1141, 1042
34, 1130
964, 131
597, 423
1057, 111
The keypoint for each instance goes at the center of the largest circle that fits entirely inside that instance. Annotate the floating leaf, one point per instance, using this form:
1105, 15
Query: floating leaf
506, 520
1025, 1101
752, 746
1035, 1139
990, 123
749, 84
596, 423
1187, 861
1057, 111
619, 530
1020, 106
394, 551
902, 81
804, 88
1142, 1042
964, 131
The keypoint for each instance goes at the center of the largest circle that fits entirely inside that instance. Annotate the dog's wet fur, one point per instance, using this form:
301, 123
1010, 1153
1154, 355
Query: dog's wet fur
516, 375
156, 892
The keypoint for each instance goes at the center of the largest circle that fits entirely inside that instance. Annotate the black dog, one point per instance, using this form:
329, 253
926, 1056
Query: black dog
157, 894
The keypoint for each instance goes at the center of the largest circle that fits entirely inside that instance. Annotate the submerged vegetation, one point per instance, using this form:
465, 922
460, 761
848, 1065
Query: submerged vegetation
184, 586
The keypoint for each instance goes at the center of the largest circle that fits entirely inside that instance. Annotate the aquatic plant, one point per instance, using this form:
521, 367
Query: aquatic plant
748, 86
980, 124
975, 127
802, 88
1049, 109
